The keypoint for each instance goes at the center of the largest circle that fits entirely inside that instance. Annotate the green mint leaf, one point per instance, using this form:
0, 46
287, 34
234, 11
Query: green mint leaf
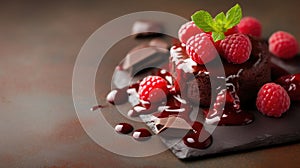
203, 20
218, 36
220, 18
220, 21
220, 24
233, 16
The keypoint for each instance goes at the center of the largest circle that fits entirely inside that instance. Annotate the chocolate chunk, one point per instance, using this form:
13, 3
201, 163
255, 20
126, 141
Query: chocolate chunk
146, 55
159, 43
172, 126
147, 28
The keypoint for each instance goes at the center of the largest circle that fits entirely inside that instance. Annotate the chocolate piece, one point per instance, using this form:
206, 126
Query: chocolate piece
172, 126
146, 55
147, 28
159, 43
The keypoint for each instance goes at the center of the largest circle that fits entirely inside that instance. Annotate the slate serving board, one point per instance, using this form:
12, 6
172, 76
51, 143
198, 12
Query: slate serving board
263, 132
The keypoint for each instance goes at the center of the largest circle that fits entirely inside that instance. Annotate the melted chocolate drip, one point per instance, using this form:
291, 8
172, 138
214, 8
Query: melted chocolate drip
229, 113
291, 83
175, 108
198, 138
94, 108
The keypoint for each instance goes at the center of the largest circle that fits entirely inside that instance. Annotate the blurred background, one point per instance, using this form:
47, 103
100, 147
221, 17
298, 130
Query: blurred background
39, 43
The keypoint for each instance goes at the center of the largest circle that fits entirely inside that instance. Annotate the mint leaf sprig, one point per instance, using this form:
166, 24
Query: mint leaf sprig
220, 24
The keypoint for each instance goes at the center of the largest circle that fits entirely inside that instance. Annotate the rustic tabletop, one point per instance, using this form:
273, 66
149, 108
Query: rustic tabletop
39, 44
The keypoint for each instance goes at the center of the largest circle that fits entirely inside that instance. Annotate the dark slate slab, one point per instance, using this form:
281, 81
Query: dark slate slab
263, 132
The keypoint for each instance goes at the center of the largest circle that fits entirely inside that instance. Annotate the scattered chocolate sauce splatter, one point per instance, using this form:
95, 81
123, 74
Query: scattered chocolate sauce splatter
123, 128
141, 134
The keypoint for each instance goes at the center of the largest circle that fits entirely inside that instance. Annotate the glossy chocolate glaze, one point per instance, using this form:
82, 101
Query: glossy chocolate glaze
291, 83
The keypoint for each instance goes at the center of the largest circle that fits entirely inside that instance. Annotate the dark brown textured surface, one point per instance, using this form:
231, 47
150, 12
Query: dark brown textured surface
39, 44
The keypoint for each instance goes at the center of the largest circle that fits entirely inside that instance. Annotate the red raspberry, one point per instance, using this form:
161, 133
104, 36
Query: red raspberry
151, 88
231, 31
272, 100
236, 48
283, 45
188, 30
201, 49
250, 26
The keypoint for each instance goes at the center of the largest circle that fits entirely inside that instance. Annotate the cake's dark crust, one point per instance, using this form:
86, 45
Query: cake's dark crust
199, 89
247, 77
252, 79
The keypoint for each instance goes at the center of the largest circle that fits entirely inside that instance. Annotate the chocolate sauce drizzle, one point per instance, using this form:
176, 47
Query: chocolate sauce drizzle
227, 109
228, 113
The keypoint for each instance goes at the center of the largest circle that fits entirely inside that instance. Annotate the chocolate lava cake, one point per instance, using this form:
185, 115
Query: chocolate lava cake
247, 78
